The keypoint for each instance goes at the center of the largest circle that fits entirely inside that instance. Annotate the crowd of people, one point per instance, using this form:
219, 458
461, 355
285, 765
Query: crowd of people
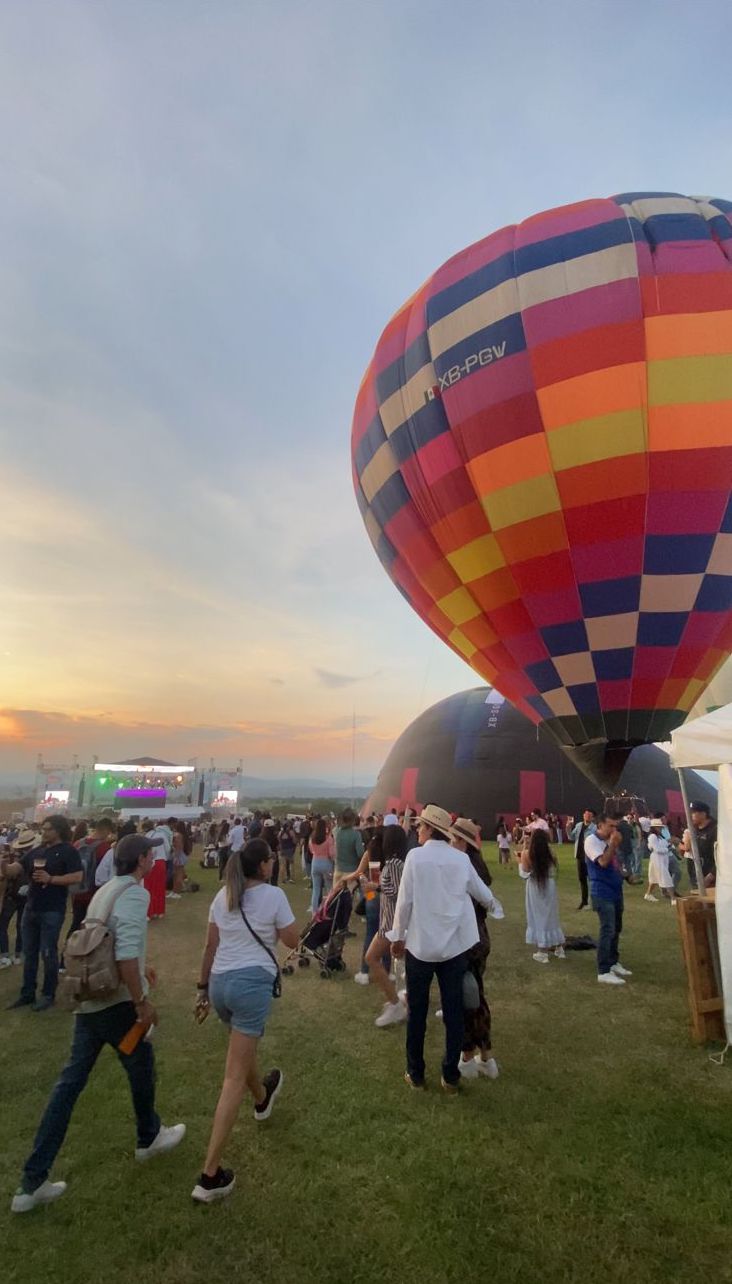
422, 886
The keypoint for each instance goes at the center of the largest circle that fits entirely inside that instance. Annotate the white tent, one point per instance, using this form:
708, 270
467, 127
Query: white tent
707, 743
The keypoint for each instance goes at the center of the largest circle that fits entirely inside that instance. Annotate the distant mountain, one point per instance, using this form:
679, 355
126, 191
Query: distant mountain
258, 787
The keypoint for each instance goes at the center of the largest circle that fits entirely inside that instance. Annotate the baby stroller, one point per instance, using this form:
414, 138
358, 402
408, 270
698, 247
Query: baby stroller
324, 936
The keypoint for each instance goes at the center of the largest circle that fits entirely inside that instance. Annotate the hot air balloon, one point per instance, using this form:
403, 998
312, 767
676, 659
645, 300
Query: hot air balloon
476, 755
542, 455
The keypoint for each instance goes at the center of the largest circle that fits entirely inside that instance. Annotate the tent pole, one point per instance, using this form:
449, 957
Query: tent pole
692, 834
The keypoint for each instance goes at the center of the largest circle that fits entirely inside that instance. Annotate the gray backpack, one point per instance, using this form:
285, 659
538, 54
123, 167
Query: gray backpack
91, 968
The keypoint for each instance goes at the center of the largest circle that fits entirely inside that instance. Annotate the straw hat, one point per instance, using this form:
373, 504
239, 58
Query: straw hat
466, 830
657, 823
437, 818
27, 839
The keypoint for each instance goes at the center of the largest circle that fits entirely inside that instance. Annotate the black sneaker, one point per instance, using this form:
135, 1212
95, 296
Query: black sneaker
272, 1082
42, 1004
208, 1189
20, 1003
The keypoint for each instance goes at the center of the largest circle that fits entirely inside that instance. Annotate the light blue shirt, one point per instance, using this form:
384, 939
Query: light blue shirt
128, 924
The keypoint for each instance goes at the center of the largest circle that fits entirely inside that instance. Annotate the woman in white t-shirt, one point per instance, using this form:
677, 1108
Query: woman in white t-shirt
246, 920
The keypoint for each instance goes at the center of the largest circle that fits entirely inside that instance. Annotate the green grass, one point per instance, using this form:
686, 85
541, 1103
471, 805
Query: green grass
602, 1152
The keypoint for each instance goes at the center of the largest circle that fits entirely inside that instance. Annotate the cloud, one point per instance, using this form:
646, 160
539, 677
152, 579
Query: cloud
268, 747
334, 680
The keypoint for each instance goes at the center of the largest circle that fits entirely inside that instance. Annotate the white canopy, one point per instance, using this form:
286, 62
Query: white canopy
705, 742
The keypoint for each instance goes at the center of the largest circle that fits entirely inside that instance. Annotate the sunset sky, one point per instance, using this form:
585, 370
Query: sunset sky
210, 211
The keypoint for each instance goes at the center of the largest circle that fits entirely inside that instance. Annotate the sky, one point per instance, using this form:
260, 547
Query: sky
209, 213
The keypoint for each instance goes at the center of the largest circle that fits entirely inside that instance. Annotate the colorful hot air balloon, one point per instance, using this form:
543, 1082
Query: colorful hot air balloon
542, 450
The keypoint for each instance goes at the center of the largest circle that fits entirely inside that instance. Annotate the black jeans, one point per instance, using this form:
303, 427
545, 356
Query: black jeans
12, 905
582, 876
41, 930
450, 980
610, 914
91, 1031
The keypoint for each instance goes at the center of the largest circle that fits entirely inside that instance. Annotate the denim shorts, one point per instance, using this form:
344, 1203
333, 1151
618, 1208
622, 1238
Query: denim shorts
242, 998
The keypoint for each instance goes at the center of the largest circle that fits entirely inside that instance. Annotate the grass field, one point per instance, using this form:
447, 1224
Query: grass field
602, 1152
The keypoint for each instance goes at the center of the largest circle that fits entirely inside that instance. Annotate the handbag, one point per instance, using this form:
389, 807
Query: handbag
277, 983
359, 903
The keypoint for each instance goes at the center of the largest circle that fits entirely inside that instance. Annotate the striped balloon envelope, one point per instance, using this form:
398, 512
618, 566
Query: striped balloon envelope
542, 453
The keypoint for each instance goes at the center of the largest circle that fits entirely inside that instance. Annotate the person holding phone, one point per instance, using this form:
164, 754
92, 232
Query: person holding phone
606, 892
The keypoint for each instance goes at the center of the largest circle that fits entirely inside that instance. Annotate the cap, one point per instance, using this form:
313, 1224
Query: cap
437, 818
390, 819
466, 830
700, 806
136, 845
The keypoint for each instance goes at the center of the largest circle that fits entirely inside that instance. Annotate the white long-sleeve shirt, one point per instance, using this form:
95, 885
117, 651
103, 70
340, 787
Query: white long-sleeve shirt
434, 914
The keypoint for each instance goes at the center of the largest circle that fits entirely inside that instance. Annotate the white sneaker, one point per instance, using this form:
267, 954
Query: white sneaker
488, 1068
17, 961
619, 970
172, 896
559, 952
468, 1069
5, 961
650, 897
167, 1139
540, 957
361, 978
392, 1014
610, 978
586, 907
45, 1194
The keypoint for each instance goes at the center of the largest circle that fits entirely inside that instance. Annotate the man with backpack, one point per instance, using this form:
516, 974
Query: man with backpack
119, 911
91, 850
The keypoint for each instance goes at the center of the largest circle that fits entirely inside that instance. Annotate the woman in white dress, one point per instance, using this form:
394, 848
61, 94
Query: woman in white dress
538, 866
659, 873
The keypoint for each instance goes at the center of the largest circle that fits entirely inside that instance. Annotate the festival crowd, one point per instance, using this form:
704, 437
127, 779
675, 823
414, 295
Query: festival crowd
420, 883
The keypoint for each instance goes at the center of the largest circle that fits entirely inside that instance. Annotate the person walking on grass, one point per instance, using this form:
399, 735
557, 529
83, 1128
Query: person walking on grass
538, 867
239, 974
434, 927
606, 890
378, 953
107, 1021
477, 1057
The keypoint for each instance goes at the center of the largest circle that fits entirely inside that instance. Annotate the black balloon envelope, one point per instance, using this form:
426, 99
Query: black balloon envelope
477, 756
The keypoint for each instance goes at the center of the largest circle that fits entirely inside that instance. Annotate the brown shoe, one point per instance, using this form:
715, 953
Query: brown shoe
413, 1083
449, 1089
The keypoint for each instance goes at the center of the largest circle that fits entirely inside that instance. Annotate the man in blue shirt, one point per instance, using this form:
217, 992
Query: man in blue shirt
606, 890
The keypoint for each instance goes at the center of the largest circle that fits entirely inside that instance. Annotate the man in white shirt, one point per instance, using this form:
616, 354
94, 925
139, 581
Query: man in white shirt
434, 927
237, 835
